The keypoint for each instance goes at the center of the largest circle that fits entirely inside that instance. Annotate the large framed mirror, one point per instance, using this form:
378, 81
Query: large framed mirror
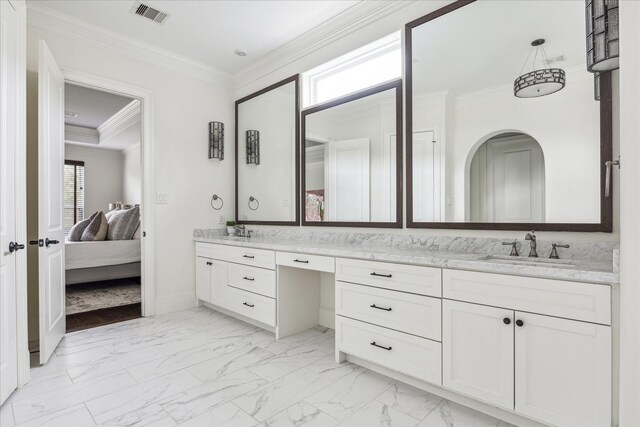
504, 128
352, 160
267, 165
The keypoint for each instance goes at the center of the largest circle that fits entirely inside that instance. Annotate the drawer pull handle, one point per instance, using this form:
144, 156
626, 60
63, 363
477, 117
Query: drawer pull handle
248, 305
304, 261
251, 279
248, 256
380, 308
381, 275
381, 346
209, 263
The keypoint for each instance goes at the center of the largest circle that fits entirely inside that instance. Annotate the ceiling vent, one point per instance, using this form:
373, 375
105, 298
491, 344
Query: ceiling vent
148, 12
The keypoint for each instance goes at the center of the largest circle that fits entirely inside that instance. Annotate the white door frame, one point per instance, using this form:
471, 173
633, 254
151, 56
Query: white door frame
148, 210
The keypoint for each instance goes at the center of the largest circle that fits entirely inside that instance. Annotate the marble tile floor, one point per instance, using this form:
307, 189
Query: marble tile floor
199, 367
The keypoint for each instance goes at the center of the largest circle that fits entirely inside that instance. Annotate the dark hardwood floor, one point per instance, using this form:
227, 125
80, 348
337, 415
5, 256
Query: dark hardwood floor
104, 316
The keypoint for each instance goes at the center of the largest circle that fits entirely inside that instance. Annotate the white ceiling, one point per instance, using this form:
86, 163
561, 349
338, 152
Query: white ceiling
485, 44
209, 31
93, 106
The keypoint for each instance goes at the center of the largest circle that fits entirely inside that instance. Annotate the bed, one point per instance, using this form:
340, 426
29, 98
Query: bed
102, 260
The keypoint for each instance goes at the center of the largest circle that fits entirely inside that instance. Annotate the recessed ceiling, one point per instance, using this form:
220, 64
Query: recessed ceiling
94, 107
486, 43
209, 31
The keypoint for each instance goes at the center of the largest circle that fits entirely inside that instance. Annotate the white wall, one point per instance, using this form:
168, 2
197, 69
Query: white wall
103, 176
184, 105
131, 180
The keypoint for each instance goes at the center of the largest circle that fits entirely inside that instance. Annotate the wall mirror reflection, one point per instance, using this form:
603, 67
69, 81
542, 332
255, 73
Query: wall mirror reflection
505, 128
267, 128
352, 160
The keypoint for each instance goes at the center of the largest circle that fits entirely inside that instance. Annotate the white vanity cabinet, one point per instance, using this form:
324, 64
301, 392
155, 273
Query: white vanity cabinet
211, 281
552, 369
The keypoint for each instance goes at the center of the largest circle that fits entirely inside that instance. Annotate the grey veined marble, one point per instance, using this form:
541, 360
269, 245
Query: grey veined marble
591, 261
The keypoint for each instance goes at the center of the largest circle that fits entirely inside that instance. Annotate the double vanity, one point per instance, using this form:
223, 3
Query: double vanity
463, 325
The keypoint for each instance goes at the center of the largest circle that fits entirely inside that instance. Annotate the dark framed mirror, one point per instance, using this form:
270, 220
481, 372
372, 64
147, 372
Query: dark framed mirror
352, 160
267, 155
504, 129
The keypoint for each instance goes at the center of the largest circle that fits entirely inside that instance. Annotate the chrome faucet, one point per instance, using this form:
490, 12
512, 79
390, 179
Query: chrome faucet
554, 251
532, 237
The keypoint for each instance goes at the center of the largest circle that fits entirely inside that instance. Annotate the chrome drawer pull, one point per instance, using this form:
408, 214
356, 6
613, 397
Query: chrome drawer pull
380, 308
381, 275
251, 279
381, 346
248, 305
248, 256
304, 261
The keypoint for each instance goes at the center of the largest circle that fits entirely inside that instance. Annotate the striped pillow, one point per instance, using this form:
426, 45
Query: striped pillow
97, 228
123, 223
75, 234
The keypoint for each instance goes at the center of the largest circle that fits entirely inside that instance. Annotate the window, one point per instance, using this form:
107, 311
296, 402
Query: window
73, 193
367, 66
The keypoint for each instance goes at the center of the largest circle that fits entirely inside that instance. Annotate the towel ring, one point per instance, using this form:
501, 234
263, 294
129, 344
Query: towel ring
253, 199
214, 198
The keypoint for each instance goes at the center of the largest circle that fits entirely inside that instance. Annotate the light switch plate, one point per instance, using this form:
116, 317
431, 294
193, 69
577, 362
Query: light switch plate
162, 198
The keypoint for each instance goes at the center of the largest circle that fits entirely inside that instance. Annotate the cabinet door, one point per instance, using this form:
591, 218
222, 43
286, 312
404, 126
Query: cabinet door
203, 279
563, 370
477, 351
218, 283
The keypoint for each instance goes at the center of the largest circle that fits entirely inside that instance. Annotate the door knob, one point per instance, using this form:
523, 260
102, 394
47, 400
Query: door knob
38, 242
15, 246
48, 242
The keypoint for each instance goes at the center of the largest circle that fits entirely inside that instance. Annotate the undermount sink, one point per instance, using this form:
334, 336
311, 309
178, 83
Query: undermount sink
521, 260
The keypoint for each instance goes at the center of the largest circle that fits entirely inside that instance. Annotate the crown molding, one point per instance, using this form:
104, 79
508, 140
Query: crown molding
353, 19
120, 121
46, 19
78, 134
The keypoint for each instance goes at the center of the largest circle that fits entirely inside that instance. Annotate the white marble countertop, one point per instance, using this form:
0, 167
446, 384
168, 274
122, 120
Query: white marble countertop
590, 271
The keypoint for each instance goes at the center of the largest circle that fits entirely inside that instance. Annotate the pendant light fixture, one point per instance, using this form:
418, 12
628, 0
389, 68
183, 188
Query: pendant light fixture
602, 35
541, 81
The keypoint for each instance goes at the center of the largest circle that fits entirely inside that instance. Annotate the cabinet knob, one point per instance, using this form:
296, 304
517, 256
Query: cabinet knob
519, 322
506, 320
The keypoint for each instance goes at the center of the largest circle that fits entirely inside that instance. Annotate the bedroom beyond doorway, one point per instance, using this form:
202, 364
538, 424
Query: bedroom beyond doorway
102, 204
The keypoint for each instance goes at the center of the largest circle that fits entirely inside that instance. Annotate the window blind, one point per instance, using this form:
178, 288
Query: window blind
73, 193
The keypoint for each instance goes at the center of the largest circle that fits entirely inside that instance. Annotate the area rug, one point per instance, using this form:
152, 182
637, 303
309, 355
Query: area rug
95, 296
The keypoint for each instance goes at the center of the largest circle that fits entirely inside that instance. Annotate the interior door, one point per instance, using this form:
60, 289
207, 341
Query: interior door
477, 351
568, 355
50, 202
517, 182
426, 177
8, 142
347, 179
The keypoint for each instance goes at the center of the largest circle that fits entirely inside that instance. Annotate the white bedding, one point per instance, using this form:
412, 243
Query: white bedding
101, 253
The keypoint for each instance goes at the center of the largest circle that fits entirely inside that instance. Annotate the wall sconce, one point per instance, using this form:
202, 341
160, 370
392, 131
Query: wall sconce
253, 147
216, 140
602, 35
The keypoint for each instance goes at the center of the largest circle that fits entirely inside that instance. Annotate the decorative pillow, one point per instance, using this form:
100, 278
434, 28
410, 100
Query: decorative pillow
111, 212
97, 228
137, 234
75, 234
123, 223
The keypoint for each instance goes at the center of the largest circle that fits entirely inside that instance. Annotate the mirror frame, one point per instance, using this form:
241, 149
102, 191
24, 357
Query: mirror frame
296, 79
606, 150
393, 84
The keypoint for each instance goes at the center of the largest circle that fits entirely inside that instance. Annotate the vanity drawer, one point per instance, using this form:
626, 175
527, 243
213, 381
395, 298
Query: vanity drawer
411, 355
414, 314
249, 256
407, 278
571, 300
254, 306
308, 262
253, 279
211, 251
